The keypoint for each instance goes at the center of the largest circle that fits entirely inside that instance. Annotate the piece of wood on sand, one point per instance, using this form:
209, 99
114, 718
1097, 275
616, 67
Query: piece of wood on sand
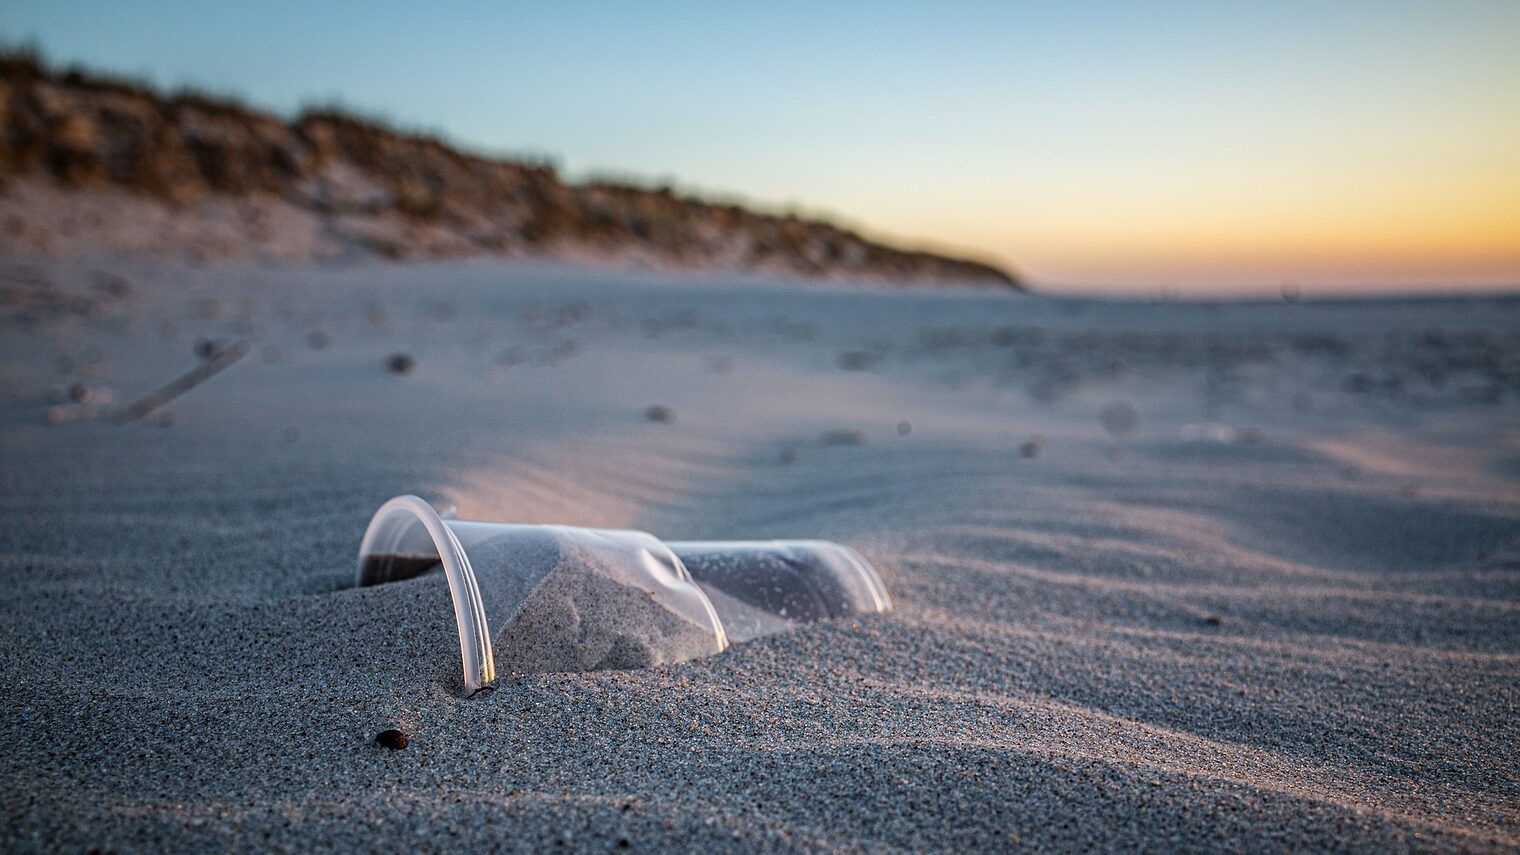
184, 383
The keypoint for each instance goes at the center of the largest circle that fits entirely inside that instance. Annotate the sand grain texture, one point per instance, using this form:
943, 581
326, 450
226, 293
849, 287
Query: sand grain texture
1277, 609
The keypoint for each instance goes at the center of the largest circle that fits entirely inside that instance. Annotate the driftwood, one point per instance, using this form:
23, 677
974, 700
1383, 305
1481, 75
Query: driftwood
189, 380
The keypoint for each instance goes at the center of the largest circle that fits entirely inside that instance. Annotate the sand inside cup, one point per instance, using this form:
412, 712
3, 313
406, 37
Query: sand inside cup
580, 618
562, 599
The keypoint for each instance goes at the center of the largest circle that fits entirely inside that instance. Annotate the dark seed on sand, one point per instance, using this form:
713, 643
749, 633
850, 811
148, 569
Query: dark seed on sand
657, 413
843, 437
205, 348
112, 285
400, 363
1119, 419
1357, 383
393, 739
1029, 450
858, 360
1213, 620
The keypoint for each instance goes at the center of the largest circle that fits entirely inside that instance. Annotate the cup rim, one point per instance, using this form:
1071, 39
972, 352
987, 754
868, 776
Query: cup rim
381, 536
868, 575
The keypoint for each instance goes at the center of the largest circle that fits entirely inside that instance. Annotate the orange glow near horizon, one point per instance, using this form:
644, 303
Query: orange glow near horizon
1444, 226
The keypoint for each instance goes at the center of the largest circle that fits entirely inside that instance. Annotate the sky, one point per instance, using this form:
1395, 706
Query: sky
1143, 147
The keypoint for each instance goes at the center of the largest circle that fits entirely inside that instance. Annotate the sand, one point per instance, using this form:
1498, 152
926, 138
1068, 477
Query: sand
1167, 576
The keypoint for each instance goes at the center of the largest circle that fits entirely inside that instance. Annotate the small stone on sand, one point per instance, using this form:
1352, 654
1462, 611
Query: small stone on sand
858, 360
393, 739
1119, 419
842, 437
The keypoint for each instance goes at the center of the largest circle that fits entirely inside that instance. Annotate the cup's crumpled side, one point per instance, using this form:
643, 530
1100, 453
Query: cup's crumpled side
767, 586
613, 599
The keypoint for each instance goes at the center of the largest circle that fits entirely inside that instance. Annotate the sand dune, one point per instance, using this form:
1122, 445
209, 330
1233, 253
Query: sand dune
1274, 603
92, 164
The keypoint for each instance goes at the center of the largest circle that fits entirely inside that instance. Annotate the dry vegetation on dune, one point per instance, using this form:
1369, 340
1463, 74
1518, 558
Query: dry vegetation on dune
96, 163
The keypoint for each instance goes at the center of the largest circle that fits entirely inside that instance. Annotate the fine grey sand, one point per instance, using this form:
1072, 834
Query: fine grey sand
1167, 576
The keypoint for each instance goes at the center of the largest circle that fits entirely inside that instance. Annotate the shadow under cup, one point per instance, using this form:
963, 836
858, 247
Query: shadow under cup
535, 598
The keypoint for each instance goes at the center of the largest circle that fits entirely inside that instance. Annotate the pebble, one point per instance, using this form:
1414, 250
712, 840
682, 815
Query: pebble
1119, 419
393, 739
842, 437
858, 360
1358, 383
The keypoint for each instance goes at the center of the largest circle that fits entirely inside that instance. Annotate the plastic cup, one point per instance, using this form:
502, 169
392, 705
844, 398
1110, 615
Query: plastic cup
545, 597
533, 598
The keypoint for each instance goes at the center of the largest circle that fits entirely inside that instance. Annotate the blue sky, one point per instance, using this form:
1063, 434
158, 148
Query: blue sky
1099, 145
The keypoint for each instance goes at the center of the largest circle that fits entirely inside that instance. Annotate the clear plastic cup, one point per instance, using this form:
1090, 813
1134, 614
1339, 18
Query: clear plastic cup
545, 597
533, 598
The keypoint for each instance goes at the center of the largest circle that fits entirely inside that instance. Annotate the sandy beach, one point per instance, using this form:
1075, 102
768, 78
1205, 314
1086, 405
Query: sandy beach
1168, 577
